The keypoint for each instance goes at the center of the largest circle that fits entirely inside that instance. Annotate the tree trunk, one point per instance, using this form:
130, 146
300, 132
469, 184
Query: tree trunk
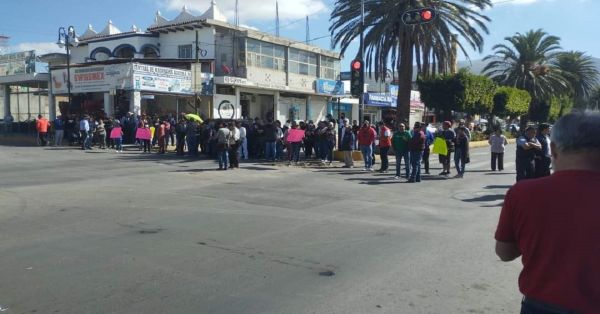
405, 72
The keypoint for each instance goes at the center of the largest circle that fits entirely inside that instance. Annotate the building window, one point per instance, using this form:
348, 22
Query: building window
303, 62
185, 52
265, 55
330, 68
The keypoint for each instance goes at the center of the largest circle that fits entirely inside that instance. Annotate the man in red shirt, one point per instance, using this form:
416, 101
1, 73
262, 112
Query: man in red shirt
42, 125
554, 224
385, 142
366, 138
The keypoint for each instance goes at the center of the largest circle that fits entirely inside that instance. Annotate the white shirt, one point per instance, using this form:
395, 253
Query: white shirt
242, 132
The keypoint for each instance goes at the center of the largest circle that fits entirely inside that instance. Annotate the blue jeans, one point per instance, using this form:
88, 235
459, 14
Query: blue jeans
223, 158
367, 152
118, 143
279, 149
328, 151
270, 150
460, 160
406, 156
294, 151
192, 145
415, 165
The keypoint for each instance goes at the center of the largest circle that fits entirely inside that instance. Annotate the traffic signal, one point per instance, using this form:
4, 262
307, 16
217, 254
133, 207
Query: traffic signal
357, 80
419, 16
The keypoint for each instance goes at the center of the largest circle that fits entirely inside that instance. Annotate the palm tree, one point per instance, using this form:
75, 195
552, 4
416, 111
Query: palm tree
388, 40
528, 62
594, 100
581, 74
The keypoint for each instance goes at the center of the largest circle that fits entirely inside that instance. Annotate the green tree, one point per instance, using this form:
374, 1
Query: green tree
581, 74
464, 92
388, 40
559, 106
510, 101
594, 100
528, 62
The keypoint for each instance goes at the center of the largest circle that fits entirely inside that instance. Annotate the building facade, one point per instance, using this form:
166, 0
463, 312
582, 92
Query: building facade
199, 64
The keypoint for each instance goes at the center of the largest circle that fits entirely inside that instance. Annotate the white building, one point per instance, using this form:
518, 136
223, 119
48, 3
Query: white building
199, 63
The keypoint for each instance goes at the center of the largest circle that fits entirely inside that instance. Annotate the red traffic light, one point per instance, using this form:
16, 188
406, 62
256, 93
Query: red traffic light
419, 16
356, 65
426, 15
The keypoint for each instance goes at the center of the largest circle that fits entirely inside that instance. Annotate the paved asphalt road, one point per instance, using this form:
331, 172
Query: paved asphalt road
101, 232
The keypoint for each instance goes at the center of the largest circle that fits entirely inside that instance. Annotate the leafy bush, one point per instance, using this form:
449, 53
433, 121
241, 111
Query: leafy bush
510, 101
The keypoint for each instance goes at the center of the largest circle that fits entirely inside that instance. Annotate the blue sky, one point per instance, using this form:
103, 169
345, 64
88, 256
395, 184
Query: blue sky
34, 23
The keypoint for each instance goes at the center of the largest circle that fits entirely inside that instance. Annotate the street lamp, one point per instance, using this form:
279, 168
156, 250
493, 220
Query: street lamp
66, 39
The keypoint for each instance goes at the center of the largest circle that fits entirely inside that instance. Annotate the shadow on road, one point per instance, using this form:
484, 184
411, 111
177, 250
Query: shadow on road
490, 187
486, 198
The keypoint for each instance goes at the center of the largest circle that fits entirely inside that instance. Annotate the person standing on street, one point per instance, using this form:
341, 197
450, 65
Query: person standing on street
59, 130
428, 142
190, 137
449, 135
84, 129
42, 124
498, 143
101, 131
234, 146
243, 140
385, 142
223, 135
552, 223
270, 140
116, 135
416, 145
180, 131
294, 137
366, 138
461, 153
347, 144
400, 142
161, 135
527, 148
544, 159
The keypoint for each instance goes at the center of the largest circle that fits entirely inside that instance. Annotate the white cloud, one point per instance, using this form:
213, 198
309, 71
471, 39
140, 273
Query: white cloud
39, 47
251, 10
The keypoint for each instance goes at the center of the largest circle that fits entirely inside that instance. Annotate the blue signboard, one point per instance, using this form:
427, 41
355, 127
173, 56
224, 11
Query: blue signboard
330, 87
380, 100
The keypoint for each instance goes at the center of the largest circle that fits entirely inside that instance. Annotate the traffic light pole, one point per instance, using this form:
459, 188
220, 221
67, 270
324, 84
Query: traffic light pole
361, 98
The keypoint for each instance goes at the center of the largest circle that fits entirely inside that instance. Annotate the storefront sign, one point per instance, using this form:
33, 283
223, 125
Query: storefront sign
329, 87
127, 76
379, 100
230, 80
100, 78
21, 63
161, 79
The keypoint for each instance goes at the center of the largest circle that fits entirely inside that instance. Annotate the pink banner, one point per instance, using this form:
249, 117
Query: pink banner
295, 135
116, 133
143, 134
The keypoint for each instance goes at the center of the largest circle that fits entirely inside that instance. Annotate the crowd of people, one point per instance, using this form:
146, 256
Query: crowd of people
230, 141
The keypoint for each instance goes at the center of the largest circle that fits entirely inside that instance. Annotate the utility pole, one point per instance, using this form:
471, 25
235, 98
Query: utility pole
361, 99
196, 98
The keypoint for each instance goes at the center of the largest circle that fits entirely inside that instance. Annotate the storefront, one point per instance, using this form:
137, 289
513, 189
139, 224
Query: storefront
115, 89
382, 106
